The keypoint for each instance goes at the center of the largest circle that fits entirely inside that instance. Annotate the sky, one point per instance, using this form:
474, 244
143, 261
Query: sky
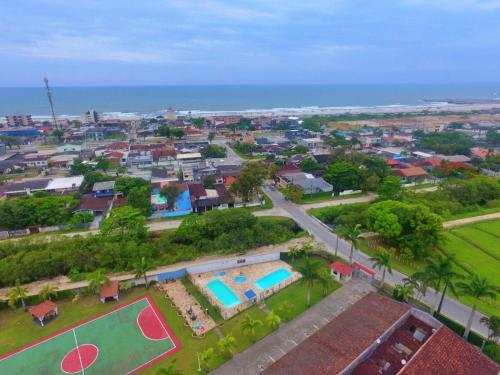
189, 42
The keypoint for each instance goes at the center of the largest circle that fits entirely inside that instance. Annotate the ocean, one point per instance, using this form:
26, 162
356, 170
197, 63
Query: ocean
154, 100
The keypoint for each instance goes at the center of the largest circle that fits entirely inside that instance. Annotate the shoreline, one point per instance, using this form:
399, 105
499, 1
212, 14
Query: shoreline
301, 112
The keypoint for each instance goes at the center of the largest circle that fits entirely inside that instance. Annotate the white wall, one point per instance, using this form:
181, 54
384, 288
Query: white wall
231, 263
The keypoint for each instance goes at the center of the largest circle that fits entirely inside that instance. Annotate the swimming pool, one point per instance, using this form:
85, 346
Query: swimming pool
273, 278
223, 293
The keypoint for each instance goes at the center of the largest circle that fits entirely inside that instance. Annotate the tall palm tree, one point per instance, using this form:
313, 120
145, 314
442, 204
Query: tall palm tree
294, 252
403, 292
96, 280
273, 320
493, 324
249, 325
419, 285
227, 344
382, 261
325, 280
18, 292
141, 268
351, 234
439, 272
310, 274
478, 288
47, 292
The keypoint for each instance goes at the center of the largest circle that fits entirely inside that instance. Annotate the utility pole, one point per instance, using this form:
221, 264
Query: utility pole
49, 95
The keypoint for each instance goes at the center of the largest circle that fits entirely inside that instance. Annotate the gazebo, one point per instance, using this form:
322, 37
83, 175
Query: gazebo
110, 291
341, 271
44, 311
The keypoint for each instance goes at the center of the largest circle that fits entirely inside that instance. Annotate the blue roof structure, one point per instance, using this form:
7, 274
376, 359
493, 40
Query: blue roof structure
250, 294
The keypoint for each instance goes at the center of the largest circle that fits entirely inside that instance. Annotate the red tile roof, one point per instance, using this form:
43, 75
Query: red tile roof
110, 289
412, 172
39, 311
445, 353
288, 169
92, 203
228, 181
434, 161
341, 268
341, 341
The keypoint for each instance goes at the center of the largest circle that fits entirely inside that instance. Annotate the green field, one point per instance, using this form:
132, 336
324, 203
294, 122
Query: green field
122, 340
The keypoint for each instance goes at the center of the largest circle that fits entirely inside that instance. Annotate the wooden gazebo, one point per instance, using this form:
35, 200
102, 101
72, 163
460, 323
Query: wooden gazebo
44, 312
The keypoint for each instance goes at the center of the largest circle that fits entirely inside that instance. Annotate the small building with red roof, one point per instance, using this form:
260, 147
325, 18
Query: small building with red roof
110, 291
44, 312
341, 271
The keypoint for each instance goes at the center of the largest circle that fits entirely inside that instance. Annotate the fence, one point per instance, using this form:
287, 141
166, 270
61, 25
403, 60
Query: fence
34, 230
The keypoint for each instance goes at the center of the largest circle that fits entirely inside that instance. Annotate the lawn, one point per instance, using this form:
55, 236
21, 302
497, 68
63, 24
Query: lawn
326, 197
491, 227
291, 301
486, 242
478, 212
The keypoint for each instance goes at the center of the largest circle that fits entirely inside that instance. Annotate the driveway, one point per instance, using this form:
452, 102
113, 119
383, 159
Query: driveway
274, 346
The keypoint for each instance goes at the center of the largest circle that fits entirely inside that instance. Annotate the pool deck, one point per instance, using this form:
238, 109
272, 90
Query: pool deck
252, 272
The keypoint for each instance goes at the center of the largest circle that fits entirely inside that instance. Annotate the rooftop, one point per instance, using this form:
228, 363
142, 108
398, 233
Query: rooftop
39, 311
103, 185
341, 268
110, 289
65, 183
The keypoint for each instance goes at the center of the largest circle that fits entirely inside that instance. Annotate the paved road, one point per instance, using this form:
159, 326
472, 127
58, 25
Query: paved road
451, 308
274, 346
469, 220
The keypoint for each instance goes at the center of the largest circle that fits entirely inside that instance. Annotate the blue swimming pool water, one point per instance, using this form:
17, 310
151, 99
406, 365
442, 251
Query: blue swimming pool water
223, 293
273, 278
240, 279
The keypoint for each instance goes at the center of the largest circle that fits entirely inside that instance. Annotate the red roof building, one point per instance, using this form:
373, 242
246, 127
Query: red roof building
44, 311
110, 291
341, 268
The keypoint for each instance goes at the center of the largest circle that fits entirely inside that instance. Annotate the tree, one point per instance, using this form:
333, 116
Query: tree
382, 261
206, 356
294, 252
342, 176
250, 177
96, 280
170, 192
17, 293
170, 369
211, 137
273, 320
351, 234
58, 134
47, 292
493, 324
249, 325
478, 288
121, 169
177, 132
103, 164
198, 122
390, 188
226, 344
214, 151
325, 280
310, 275
209, 182
80, 218
124, 222
163, 131
140, 198
437, 272
403, 293
141, 268
294, 193
79, 168
419, 285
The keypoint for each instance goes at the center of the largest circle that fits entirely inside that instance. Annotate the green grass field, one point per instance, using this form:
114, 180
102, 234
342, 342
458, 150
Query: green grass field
326, 197
120, 341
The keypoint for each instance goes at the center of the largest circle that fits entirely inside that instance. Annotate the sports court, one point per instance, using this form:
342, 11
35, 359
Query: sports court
123, 340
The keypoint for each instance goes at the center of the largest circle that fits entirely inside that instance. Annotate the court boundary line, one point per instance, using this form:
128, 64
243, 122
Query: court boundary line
173, 338
150, 302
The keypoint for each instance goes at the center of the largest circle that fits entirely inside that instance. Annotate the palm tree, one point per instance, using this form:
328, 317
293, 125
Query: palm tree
141, 268
18, 292
310, 274
294, 252
206, 356
419, 285
285, 308
96, 280
439, 271
351, 234
227, 344
249, 325
47, 292
170, 369
273, 320
326, 280
477, 288
403, 293
382, 261
493, 324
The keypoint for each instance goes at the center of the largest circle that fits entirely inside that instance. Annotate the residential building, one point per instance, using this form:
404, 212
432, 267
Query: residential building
65, 184
18, 120
378, 335
104, 189
28, 187
90, 117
